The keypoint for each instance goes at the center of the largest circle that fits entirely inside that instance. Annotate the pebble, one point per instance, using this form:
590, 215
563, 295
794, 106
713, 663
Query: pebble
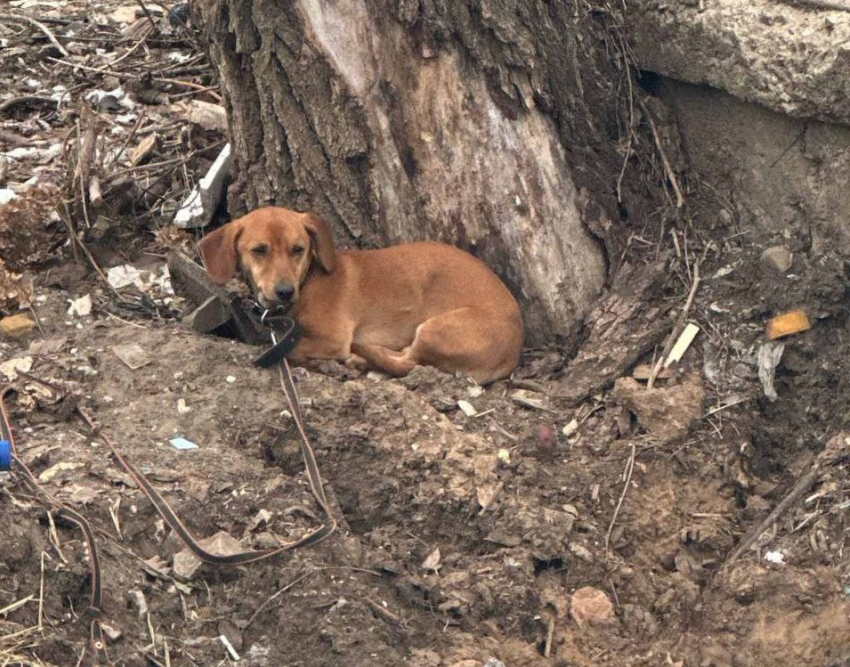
16, 326
589, 604
777, 258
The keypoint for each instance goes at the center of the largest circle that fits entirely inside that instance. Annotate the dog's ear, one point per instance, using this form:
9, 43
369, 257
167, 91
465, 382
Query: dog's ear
218, 250
322, 239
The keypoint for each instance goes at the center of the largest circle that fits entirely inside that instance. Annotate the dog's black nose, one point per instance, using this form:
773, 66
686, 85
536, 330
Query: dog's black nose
284, 293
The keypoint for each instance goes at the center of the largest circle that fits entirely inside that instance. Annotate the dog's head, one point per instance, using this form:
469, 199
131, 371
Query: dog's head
274, 248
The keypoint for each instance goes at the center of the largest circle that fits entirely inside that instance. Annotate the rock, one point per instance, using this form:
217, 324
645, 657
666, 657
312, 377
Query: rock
666, 412
16, 326
186, 564
722, 44
590, 605
776, 258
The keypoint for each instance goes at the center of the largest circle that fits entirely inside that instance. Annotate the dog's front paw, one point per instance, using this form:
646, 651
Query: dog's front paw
357, 362
335, 369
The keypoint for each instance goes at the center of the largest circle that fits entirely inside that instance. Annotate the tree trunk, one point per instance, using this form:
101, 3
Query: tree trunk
481, 123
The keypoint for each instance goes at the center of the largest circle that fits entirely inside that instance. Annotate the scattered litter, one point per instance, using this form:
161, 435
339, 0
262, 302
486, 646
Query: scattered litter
571, 428
504, 455
769, 356
116, 99
16, 326
232, 651
467, 408
529, 399
785, 324
475, 391
182, 443
6, 195
682, 344
12, 367
230, 379
776, 557
182, 408
80, 307
198, 208
123, 276
432, 562
132, 354
589, 604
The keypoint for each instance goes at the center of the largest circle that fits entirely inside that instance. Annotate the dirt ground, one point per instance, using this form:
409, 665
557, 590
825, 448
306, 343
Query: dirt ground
464, 533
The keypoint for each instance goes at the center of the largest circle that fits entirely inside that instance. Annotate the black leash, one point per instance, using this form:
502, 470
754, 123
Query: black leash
329, 525
97, 641
288, 335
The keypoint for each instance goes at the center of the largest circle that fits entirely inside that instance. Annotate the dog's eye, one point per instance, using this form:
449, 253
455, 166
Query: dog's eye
297, 249
260, 250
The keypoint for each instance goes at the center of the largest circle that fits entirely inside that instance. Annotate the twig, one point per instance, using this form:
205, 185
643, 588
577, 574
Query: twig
631, 132
677, 330
680, 200
384, 613
147, 14
279, 593
627, 478
550, 636
82, 246
129, 52
41, 596
793, 495
26, 19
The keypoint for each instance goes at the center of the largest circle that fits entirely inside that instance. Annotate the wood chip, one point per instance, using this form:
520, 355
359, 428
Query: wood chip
144, 150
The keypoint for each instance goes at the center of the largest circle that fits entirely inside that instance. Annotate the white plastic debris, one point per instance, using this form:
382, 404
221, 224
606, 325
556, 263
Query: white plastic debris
232, 651
182, 443
467, 408
198, 208
123, 276
80, 307
775, 557
96, 96
682, 344
6, 195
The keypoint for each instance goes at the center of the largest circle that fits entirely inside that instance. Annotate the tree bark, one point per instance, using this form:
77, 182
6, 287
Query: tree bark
483, 123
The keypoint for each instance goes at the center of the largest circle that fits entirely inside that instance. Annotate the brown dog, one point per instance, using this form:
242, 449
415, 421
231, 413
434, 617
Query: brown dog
389, 309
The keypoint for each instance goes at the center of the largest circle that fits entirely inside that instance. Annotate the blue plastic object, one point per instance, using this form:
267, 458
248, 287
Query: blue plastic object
5, 455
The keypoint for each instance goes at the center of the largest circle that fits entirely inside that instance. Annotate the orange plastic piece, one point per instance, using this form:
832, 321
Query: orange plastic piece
785, 324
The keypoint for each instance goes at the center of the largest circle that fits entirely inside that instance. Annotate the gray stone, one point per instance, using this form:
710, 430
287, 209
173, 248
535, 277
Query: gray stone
776, 258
